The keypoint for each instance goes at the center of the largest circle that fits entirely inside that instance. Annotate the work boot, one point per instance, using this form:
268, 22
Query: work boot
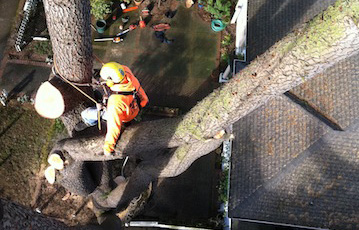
81, 126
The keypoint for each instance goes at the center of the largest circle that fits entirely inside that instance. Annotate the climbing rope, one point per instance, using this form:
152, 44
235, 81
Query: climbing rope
56, 72
98, 59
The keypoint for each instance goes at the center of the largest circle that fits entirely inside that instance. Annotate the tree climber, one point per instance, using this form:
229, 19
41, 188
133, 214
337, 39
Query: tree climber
126, 99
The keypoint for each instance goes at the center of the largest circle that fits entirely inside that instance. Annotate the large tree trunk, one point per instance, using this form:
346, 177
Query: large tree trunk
68, 22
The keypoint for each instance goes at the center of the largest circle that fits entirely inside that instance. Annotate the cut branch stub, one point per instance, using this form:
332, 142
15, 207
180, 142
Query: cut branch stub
49, 102
55, 98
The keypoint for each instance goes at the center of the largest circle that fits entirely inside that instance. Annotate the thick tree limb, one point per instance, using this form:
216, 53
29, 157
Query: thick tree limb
163, 164
15, 216
144, 137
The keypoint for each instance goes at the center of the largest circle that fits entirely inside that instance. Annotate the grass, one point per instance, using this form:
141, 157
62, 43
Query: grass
25, 140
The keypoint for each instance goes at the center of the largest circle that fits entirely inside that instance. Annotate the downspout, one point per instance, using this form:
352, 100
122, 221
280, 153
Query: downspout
155, 224
226, 169
240, 18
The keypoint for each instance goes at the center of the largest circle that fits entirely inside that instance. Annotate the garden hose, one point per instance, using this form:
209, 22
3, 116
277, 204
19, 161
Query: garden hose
217, 25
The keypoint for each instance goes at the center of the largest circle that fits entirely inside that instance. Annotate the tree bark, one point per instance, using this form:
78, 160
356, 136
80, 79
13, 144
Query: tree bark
68, 22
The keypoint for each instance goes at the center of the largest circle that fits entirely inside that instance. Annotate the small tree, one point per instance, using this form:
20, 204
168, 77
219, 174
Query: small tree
219, 9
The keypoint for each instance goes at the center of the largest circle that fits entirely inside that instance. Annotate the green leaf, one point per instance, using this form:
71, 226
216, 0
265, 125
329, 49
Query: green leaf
99, 8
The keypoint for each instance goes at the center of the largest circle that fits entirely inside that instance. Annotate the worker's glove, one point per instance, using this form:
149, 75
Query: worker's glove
107, 154
104, 100
143, 104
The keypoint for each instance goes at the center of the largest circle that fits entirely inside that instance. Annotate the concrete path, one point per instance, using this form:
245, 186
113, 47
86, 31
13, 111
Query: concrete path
16, 78
23, 79
7, 17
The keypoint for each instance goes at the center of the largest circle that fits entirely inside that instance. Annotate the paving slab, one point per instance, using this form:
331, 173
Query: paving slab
167, 71
187, 197
23, 79
7, 16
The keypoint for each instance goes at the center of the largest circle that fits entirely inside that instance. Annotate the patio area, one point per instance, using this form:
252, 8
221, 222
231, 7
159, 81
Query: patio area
173, 75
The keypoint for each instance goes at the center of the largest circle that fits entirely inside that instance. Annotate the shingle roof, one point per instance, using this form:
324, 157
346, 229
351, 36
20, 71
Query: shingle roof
335, 93
266, 141
319, 188
271, 20
290, 164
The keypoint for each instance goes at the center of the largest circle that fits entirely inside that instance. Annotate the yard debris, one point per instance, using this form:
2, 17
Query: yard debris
161, 27
160, 30
161, 36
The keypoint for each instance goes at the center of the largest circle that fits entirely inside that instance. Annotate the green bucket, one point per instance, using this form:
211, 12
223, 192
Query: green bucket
100, 26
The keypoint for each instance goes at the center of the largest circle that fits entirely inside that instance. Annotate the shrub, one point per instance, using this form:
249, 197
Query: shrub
219, 9
43, 47
227, 40
99, 8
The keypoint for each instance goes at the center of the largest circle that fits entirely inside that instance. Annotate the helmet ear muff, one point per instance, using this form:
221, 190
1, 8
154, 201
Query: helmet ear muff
109, 82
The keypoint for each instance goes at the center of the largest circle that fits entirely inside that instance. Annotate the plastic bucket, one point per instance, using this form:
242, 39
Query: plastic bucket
100, 26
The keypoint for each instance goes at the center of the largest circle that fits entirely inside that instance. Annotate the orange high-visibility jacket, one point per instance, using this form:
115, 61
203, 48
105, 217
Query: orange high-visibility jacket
122, 108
